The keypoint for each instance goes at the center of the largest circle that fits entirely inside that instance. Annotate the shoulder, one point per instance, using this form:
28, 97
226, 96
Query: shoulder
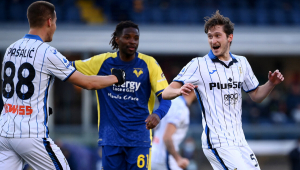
146, 58
239, 57
105, 56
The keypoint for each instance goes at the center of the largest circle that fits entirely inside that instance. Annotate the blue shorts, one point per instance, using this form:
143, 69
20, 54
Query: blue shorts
126, 158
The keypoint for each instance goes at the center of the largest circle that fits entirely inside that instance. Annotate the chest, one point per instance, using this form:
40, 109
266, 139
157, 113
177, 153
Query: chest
217, 76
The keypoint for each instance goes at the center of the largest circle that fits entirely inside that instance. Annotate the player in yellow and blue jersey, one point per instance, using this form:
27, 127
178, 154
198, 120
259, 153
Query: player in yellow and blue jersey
125, 113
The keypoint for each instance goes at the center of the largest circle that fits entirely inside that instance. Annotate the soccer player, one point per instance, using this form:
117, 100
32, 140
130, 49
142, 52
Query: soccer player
217, 79
28, 71
125, 113
169, 133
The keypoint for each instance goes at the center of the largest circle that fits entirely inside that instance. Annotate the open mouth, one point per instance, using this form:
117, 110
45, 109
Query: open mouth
216, 47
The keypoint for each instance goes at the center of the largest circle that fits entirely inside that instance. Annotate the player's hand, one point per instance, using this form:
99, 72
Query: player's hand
120, 74
187, 88
275, 78
152, 121
183, 162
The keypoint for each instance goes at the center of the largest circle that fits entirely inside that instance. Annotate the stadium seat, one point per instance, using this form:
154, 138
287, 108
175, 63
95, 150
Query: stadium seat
157, 16
3, 11
17, 12
245, 16
278, 16
295, 16
72, 14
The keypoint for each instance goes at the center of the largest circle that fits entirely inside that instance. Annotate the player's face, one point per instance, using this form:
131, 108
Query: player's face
218, 41
128, 42
52, 28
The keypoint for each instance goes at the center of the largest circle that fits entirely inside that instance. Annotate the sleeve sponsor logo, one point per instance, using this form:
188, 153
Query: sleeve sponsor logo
54, 51
66, 62
138, 71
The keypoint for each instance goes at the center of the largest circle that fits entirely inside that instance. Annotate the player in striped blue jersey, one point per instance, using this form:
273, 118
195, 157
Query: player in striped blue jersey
217, 79
28, 71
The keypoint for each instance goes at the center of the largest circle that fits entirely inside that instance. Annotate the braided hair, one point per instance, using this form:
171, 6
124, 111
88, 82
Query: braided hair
118, 32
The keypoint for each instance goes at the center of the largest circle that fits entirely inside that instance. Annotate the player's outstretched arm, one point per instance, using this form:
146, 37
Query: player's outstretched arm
97, 82
176, 89
263, 91
170, 130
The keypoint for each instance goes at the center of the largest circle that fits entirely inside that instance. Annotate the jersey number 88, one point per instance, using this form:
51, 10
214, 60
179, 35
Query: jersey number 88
8, 83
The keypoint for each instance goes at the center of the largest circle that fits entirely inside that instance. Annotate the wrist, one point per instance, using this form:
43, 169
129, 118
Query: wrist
158, 117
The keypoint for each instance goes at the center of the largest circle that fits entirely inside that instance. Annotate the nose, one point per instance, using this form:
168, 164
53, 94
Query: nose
214, 40
132, 41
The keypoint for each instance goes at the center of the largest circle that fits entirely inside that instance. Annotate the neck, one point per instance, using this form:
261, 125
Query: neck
125, 57
224, 57
36, 31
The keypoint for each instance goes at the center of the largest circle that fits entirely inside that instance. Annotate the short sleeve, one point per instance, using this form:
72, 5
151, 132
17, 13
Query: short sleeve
157, 77
58, 65
189, 73
250, 80
90, 66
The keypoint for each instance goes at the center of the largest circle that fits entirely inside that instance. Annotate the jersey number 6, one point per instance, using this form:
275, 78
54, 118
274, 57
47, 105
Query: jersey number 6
25, 79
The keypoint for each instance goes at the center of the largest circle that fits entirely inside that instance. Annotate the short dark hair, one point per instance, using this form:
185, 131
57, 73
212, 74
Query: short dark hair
118, 32
38, 12
218, 19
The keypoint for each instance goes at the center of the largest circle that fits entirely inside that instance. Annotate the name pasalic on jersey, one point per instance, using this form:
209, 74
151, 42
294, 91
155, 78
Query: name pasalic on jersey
20, 52
233, 85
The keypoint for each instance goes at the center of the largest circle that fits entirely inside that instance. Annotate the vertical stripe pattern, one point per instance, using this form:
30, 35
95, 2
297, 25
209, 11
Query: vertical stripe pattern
220, 97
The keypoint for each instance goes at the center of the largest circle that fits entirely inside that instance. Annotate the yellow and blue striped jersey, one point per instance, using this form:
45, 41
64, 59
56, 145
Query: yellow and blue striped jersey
122, 110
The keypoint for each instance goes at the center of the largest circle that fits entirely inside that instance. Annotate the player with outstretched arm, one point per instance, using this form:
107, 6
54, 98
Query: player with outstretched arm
28, 71
217, 79
125, 113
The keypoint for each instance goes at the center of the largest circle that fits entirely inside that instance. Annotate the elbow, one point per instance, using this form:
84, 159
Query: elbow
89, 86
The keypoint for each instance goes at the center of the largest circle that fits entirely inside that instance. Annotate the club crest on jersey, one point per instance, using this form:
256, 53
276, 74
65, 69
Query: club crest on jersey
138, 71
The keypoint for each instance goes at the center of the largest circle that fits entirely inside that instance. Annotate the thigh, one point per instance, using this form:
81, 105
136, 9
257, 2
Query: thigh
113, 157
225, 158
138, 158
249, 158
41, 153
9, 159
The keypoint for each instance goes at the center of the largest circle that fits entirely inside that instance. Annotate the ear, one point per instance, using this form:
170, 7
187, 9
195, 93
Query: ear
117, 40
230, 37
49, 22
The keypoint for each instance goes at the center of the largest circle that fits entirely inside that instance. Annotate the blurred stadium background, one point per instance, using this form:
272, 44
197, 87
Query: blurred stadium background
267, 32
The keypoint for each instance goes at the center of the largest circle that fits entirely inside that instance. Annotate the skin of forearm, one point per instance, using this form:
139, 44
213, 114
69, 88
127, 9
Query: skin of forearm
171, 149
170, 93
99, 82
262, 92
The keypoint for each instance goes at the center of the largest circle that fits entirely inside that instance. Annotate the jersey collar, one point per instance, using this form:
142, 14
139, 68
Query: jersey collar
127, 62
30, 36
215, 59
